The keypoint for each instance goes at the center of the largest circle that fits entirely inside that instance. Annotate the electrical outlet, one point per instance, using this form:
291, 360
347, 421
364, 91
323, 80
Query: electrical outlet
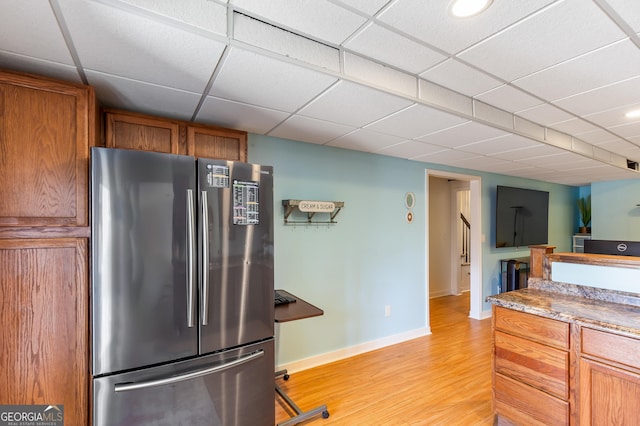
387, 310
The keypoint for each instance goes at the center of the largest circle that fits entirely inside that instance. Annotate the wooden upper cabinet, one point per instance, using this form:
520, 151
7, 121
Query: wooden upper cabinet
130, 130
46, 129
141, 132
212, 142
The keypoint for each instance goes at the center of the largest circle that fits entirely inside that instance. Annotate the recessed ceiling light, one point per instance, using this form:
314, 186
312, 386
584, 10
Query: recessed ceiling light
633, 114
467, 8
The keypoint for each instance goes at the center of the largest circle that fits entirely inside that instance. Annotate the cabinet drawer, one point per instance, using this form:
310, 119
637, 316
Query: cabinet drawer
620, 349
542, 330
525, 405
540, 366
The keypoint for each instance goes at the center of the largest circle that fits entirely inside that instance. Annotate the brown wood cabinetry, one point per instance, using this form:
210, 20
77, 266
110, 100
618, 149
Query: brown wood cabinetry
43, 338
143, 132
46, 130
609, 379
44, 151
531, 368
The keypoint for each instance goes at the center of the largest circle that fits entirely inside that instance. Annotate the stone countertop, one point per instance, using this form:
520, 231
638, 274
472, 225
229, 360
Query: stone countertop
605, 310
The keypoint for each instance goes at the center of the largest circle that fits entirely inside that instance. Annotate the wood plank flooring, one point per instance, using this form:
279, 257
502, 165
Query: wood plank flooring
441, 379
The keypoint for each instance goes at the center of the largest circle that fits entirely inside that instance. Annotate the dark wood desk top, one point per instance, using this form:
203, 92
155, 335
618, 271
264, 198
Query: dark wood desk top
295, 310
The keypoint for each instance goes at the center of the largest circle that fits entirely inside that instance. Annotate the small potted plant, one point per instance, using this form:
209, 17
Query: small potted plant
584, 207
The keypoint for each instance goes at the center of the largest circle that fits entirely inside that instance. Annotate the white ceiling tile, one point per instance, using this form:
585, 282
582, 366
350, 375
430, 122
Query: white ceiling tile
461, 135
573, 126
487, 164
370, 7
203, 14
410, 149
628, 130
509, 98
236, 115
460, 77
536, 151
417, 120
447, 157
286, 43
629, 10
499, 145
605, 98
563, 31
615, 116
545, 114
310, 130
153, 52
127, 94
596, 136
393, 49
317, 18
563, 160
431, 22
621, 61
353, 105
29, 28
14, 62
365, 140
250, 78
380, 76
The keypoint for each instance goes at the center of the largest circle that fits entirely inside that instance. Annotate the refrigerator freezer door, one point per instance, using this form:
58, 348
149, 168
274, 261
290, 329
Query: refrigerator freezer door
235, 387
237, 241
141, 259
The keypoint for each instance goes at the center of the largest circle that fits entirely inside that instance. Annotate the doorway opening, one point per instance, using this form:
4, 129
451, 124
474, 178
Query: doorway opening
453, 240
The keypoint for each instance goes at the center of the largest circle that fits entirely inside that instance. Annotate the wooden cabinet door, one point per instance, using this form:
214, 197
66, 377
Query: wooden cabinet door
211, 142
46, 128
44, 356
608, 395
141, 132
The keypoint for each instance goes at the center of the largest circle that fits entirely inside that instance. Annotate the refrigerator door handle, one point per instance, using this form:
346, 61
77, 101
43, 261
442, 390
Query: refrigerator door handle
204, 264
190, 260
124, 387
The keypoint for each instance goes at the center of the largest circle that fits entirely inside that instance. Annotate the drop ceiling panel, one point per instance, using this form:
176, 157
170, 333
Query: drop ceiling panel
127, 94
202, 14
629, 10
605, 98
250, 78
353, 105
236, 115
29, 28
461, 135
415, 121
411, 149
509, 98
487, 164
317, 18
621, 60
531, 152
545, 39
365, 140
460, 77
430, 21
615, 116
114, 42
370, 7
499, 144
573, 126
12, 61
448, 157
310, 130
545, 114
391, 48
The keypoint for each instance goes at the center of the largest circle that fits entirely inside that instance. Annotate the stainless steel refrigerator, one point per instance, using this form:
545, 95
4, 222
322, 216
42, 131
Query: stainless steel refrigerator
182, 290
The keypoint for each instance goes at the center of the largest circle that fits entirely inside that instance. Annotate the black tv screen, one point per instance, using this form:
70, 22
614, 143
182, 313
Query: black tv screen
522, 217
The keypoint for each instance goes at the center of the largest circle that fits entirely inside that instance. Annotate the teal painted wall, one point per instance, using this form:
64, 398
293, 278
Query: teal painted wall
614, 214
372, 257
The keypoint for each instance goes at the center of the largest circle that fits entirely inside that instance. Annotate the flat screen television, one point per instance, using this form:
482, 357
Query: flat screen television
522, 217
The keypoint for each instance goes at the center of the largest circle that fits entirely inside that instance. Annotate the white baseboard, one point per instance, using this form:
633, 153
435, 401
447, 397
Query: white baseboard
485, 314
326, 358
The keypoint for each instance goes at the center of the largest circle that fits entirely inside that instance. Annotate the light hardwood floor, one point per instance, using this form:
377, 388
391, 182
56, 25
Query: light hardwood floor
440, 379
